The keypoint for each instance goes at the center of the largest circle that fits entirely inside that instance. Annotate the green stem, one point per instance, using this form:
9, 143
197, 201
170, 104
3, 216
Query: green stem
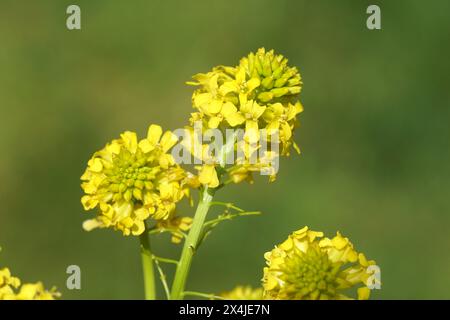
147, 267
191, 243
203, 295
230, 217
166, 260
227, 205
163, 278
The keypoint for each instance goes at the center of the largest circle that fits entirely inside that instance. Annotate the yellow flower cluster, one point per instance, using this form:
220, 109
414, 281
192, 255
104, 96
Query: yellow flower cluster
260, 93
307, 266
176, 226
130, 181
243, 293
11, 289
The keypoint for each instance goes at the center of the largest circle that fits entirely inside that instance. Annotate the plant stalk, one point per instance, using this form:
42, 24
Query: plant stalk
191, 243
147, 267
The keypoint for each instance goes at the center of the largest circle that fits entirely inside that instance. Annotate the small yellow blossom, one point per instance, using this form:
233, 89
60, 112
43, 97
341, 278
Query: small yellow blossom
176, 225
307, 266
243, 293
130, 181
208, 175
10, 289
8, 284
282, 118
243, 171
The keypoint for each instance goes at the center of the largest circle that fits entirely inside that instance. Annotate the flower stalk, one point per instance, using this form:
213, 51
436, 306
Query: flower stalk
191, 243
147, 267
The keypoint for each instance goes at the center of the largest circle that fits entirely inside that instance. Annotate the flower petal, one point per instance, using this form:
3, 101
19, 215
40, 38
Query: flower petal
154, 134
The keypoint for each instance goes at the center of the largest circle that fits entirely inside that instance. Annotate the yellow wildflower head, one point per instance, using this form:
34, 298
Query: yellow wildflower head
261, 93
243, 293
36, 291
307, 266
8, 284
130, 181
10, 289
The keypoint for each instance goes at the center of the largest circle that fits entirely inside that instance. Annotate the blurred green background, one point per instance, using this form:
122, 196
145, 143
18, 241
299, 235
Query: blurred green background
374, 135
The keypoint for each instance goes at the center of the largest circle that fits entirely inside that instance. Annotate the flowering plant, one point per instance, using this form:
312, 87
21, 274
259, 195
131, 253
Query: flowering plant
135, 185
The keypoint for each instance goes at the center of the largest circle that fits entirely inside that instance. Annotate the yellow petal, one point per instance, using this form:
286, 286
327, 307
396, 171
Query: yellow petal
95, 165
146, 146
91, 224
227, 87
213, 107
246, 107
240, 75
286, 130
287, 245
242, 100
213, 83
88, 202
272, 127
130, 140
235, 119
165, 160
114, 147
252, 84
202, 99
292, 111
227, 109
278, 109
214, 122
208, 176
257, 110
168, 140
299, 107
138, 228
270, 283
123, 210
153, 134
339, 242
251, 131
166, 191
363, 293
28, 291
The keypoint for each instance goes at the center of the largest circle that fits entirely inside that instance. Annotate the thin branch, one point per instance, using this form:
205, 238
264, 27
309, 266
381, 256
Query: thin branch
163, 278
227, 205
229, 217
166, 260
203, 295
162, 230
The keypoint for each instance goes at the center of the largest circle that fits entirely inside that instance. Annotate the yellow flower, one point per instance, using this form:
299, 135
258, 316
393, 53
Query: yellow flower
10, 289
259, 93
209, 100
249, 113
307, 267
281, 118
8, 284
176, 225
243, 171
208, 175
243, 293
130, 181
240, 85
36, 291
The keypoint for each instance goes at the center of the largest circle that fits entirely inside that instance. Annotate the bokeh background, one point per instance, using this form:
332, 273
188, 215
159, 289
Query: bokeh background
374, 135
